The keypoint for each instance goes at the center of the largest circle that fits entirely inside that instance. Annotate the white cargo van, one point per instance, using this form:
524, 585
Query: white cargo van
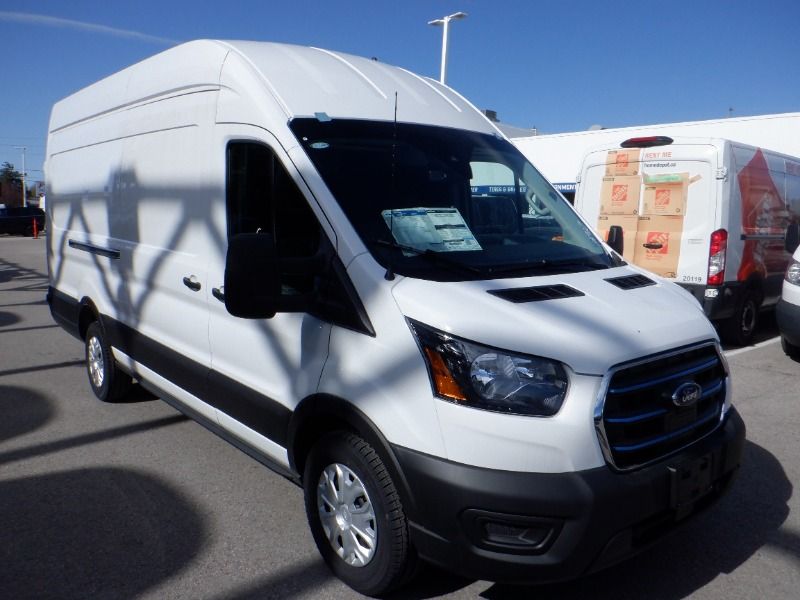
788, 310
709, 214
345, 270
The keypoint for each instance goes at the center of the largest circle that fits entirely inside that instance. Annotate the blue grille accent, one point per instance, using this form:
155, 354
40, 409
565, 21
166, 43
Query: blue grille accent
651, 382
666, 436
640, 422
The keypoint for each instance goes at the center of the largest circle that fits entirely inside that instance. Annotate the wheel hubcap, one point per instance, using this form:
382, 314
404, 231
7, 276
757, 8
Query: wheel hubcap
748, 318
347, 515
95, 362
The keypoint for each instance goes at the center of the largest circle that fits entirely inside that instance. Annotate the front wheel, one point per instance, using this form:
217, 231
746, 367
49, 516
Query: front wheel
356, 516
790, 349
108, 383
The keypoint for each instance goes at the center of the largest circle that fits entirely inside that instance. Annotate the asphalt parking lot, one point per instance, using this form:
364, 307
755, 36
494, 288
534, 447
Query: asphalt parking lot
135, 501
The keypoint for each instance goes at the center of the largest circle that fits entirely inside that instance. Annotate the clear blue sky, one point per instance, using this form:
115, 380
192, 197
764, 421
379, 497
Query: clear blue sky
557, 65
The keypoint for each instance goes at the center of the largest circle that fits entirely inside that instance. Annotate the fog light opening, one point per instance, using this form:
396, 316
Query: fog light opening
522, 536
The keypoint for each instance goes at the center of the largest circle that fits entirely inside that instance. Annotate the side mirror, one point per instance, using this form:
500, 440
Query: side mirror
792, 238
258, 284
615, 239
251, 276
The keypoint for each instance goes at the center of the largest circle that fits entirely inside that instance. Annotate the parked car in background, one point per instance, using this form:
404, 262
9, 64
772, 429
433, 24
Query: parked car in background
788, 309
19, 220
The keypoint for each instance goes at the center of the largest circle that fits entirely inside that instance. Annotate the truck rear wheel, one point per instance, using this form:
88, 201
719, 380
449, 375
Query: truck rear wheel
108, 382
739, 328
355, 515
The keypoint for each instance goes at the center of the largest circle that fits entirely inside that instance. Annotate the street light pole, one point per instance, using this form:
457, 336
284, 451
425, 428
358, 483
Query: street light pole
24, 193
445, 23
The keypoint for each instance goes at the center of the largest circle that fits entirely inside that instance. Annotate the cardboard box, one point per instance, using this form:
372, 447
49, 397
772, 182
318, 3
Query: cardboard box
658, 244
629, 224
666, 194
620, 195
623, 162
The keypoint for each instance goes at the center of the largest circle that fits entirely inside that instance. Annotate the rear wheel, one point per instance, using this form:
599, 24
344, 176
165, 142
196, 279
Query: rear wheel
739, 329
108, 382
355, 515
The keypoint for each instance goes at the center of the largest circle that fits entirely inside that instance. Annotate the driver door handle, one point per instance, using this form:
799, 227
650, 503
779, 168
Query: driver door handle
192, 283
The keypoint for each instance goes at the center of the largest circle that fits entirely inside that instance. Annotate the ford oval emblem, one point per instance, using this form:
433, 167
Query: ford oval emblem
686, 394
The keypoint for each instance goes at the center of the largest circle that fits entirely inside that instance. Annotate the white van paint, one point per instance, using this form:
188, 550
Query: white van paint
788, 309
224, 227
744, 194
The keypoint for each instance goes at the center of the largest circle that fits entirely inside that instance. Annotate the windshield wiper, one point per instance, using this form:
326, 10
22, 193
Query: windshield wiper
563, 266
436, 257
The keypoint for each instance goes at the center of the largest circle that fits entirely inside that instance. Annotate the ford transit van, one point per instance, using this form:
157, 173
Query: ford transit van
346, 270
707, 213
787, 312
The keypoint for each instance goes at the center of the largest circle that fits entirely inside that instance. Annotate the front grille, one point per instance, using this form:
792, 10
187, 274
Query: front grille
641, 423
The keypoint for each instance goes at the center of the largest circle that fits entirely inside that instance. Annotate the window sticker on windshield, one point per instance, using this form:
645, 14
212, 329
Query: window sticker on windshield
436, 229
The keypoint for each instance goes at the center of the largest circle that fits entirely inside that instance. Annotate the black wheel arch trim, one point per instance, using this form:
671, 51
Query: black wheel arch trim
322, 413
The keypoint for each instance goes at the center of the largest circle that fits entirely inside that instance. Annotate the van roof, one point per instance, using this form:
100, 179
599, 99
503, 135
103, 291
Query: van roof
303, 81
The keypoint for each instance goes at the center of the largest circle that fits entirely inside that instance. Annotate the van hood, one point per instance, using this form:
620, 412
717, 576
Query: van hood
597, 326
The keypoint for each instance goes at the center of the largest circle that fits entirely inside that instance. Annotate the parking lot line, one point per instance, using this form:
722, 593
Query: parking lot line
768, 342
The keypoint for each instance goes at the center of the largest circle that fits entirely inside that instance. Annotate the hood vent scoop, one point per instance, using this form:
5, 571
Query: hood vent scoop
537, 294
629, 282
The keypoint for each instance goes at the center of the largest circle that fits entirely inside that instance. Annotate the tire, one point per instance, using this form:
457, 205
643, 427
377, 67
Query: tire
356, 516
107, 381
739, 329
790, 349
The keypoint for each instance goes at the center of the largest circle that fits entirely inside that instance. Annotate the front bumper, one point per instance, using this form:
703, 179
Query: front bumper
466, 518
788, 317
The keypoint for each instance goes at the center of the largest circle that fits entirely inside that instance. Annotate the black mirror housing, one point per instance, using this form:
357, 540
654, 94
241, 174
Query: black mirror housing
615, 239
254, 278
252, 283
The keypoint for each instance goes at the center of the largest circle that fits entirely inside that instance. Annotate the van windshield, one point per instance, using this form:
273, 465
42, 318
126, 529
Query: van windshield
446, 204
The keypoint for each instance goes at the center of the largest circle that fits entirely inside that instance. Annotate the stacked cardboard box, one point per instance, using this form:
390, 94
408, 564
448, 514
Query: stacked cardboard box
619, 197
658, 239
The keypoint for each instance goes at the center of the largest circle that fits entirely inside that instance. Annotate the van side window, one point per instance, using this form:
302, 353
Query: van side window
262, 197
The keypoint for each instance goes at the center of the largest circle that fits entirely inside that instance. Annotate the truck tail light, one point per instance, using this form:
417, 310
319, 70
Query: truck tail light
716, 257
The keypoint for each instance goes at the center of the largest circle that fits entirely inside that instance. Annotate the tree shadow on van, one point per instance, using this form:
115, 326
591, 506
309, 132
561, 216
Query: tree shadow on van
716, 542
92, 533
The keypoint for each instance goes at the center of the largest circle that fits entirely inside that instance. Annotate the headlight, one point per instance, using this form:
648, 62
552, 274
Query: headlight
490, 379
793, 273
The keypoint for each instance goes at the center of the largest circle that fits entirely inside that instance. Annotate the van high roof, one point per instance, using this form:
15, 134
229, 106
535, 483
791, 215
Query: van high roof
300, 81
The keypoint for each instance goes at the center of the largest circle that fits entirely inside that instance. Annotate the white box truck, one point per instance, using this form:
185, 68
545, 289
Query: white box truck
558, 155
344, 269
707, 213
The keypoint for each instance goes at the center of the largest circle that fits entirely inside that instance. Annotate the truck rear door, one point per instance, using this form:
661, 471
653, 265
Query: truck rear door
665, 199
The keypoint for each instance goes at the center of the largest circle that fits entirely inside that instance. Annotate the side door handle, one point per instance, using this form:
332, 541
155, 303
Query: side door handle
192, 283
219, 293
